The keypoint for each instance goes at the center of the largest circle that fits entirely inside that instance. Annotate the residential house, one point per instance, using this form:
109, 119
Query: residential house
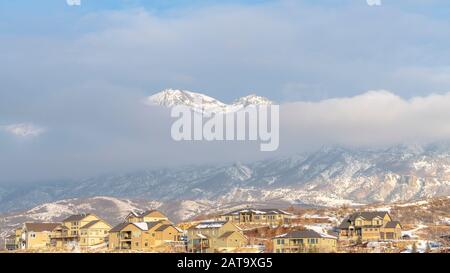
84, 230
146, 216
258, 216
304, 241
370, 226
145, 232
215, 236
36, 235
94, 233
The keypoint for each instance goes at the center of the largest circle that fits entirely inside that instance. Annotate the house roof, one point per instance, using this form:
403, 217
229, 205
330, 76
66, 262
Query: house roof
119, 227
209, 224
40, 227
145, 213
144, 226
77, 217
392, 224
226, 234
302, 234
90, 224
163, 227
258, 211
61, 226
368, 215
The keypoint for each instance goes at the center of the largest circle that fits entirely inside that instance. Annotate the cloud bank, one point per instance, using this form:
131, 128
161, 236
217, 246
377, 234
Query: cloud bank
84, 82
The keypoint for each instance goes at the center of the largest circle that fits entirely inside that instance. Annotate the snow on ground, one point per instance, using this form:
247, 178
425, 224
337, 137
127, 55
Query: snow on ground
411, 232
322, 229
124, 206
421, 246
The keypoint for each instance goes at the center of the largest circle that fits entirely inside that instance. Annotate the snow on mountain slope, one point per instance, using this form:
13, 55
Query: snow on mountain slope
328, 177
201, 102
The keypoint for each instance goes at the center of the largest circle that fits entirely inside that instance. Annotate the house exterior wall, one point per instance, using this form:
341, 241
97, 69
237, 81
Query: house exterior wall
94, 235
133, 238
301, 245
214, 243
37, 240
74, 226
254, 218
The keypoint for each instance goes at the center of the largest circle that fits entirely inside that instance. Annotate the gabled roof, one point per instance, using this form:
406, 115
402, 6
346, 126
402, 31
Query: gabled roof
119, 227
144, 226
40, 227
302, 234
258, 211
145, 213
368, 215
226, 234
209, 224
163, 227
92, 223
392, 224
77, 217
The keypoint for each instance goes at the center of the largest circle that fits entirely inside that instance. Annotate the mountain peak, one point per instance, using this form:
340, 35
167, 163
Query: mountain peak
252, 99
201, 102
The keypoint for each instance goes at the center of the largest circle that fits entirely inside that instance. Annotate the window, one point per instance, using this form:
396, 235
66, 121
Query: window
146, 244
137, 244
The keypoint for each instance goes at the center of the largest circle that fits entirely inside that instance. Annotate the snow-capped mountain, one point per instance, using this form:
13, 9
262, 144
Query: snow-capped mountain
201, 102
328, 177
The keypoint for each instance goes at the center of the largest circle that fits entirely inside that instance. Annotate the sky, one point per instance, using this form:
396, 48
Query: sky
372, 72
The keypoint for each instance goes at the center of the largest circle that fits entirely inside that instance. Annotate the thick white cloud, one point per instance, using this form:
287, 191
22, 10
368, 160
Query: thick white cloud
86, 85
375, 118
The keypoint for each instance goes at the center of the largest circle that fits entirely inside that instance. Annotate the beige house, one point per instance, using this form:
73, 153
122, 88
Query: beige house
215, 236
303, 241
146, 216
94, 233
147, 231
35, 235
370, 226
258, 216
85, 230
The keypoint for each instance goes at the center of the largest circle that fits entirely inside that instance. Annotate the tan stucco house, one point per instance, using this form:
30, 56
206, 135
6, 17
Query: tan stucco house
303, 241
258, 216
370, 226
215, 236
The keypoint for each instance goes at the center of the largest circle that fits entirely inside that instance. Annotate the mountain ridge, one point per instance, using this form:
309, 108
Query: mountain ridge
201, 102
332, 176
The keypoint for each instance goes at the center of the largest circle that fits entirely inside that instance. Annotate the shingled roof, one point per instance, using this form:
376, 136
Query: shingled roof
368, 215
119, 227
258, 211
141, 225
301, 234
77, 217
163, 227
90, 224
392, 224
40, 227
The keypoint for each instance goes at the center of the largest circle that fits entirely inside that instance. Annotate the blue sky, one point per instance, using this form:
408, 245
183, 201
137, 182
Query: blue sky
75, 75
